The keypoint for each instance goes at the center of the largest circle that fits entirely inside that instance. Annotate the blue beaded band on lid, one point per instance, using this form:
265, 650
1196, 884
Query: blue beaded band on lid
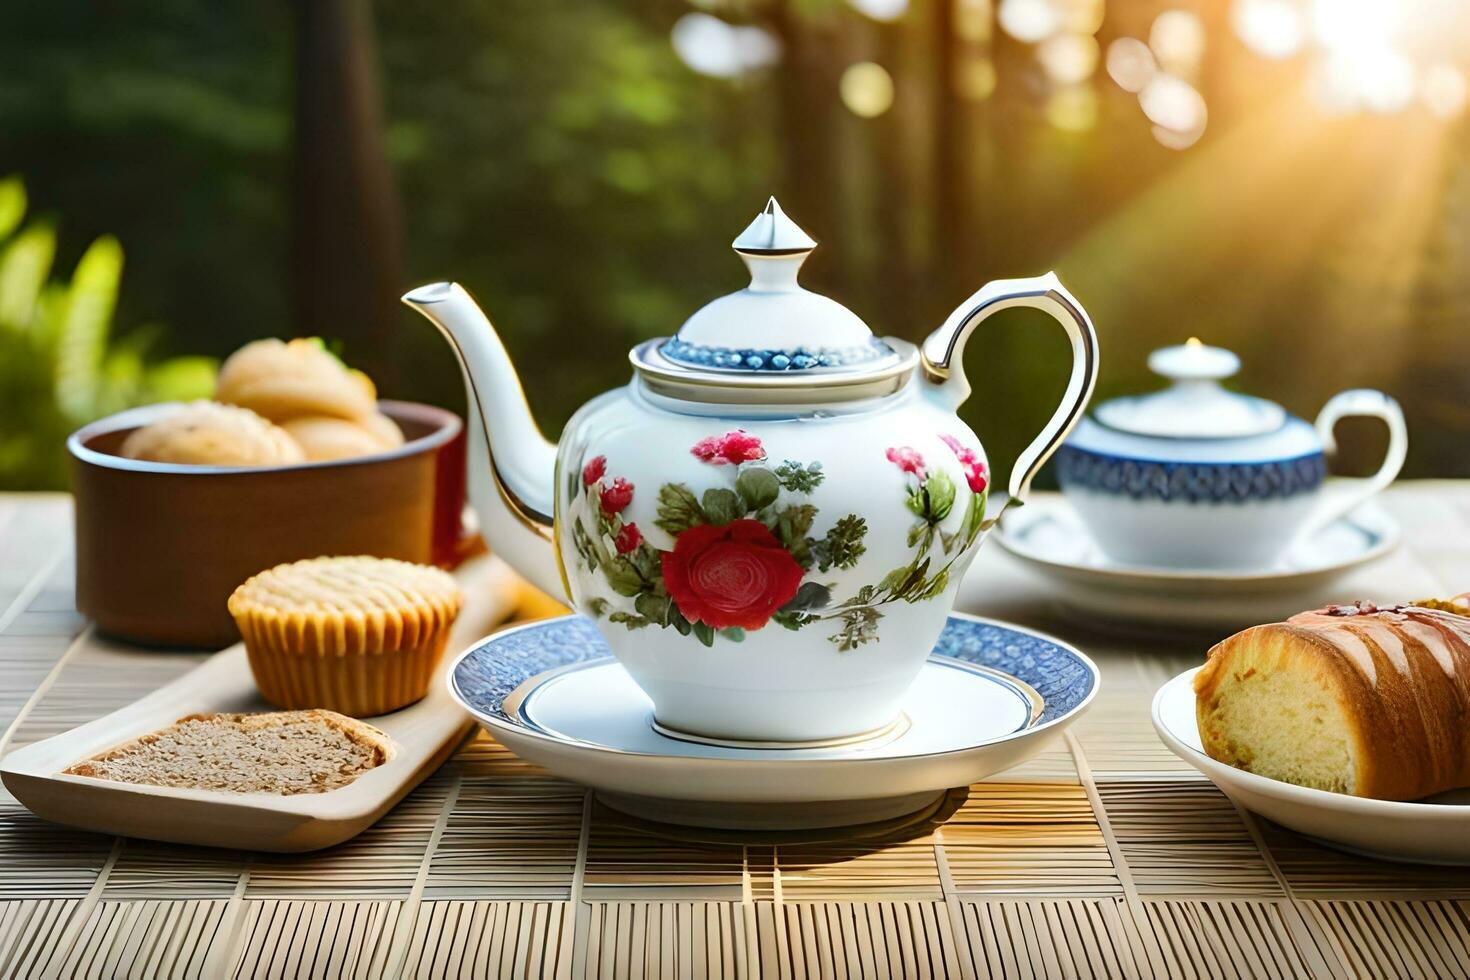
1190, 482
799, 359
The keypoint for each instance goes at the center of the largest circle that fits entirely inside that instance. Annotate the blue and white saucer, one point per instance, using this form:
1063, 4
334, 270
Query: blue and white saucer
1049, 537
990, 697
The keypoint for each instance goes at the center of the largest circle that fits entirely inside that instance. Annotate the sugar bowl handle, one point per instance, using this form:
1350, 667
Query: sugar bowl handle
1371, 404
943, 351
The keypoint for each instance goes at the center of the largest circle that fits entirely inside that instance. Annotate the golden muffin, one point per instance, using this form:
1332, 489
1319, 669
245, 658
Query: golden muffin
323, 437
209, 434
356, 635
285, 380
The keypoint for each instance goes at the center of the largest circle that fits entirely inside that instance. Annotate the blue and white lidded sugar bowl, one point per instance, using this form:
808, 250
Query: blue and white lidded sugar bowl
1195, 476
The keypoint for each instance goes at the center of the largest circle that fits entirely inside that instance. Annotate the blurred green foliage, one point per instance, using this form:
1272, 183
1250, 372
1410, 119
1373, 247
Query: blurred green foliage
562, 162
59, 366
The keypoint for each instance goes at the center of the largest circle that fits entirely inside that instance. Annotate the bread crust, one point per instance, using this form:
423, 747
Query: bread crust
1400, 675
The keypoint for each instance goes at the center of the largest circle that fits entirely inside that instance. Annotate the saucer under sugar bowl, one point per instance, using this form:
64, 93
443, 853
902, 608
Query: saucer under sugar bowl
1195, 476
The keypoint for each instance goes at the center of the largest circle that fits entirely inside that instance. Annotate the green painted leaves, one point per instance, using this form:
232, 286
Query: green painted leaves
655, 608
792, 524
859, 625
934, 498
843, 545
940, 490
623, 576
678, 510
798, 478
811, 595
722, 506
758, 487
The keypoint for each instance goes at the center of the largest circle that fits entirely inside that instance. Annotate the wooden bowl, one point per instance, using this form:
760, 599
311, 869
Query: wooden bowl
160, 546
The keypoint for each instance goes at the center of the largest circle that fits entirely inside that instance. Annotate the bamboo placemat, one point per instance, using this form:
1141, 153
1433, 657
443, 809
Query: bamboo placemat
1104, 857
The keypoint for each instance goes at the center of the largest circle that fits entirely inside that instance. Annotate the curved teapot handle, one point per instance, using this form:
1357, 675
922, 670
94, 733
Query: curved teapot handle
943, 350
1370, 404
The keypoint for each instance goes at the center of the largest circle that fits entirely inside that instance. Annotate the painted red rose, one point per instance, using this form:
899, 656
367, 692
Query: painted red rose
735, 574
628, 539
732, 447
907, 458
617, 496
593, 471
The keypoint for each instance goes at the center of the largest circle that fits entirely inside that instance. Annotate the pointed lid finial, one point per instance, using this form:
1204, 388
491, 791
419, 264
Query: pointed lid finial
736, 344
772, 233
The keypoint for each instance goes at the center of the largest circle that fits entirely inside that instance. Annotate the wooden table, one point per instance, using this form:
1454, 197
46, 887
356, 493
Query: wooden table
1105, 857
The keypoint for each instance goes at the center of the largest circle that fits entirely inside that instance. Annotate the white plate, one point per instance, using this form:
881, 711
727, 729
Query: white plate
989, 698
1431, 831
1048, 536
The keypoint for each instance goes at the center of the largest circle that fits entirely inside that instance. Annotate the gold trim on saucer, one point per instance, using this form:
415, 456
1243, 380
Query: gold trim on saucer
883, 734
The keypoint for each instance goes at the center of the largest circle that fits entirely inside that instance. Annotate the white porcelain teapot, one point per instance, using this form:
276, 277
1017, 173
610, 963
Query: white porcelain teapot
769, 522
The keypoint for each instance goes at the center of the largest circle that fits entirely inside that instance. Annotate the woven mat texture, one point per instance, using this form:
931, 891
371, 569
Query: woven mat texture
1104, 857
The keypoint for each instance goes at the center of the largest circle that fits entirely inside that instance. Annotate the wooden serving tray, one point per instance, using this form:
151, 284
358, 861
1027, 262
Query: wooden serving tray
423, 735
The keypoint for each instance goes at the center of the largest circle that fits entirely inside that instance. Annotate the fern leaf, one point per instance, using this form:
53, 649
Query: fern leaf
82, 338
25, 266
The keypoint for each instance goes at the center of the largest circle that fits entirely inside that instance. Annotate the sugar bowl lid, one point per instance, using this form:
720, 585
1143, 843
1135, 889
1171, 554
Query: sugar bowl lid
1195, 418
1195, 406
774, 340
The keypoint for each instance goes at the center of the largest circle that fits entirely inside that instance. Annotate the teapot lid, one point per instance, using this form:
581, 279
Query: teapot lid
1195, 406
774, 340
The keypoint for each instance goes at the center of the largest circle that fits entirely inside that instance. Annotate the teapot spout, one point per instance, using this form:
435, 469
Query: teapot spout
512, 467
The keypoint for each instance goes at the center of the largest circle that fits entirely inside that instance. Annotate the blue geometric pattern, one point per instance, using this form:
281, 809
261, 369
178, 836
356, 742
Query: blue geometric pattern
1190, 482
798, 359
1061, 677
500, 664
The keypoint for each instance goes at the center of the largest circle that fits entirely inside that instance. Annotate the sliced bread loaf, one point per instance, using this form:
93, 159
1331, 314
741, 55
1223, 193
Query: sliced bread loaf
282, 752
1358, 699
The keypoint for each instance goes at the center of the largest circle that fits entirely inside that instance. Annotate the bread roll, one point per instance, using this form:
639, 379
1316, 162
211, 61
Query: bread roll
283, 381
1354, 699
323, 437
209, 434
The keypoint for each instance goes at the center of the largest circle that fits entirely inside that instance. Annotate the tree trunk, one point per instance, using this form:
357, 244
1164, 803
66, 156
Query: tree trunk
347, 248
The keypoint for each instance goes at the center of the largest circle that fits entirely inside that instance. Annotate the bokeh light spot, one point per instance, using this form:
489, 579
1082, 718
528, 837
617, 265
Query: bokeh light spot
1069, 58
1375, 79
867, 89
1174, 104
1353, 25
1177, 40
881, 10
975, 79
1176, 141
1031, 21
1079, 16
1271, 28
1131, 64
712, 47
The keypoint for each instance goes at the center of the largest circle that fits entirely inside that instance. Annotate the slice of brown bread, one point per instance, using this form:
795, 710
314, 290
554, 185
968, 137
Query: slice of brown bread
281, 752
